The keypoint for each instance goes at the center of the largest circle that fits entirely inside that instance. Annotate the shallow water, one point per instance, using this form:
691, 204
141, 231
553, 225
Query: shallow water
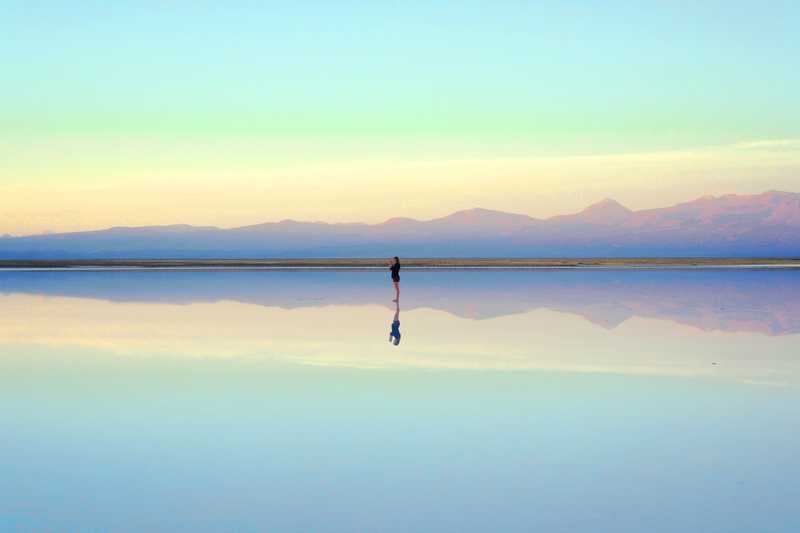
514, 401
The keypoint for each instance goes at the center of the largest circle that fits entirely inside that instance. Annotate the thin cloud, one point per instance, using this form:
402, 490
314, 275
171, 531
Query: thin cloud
770, 144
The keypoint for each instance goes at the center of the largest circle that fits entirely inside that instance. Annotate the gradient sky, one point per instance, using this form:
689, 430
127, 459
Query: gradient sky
136, 112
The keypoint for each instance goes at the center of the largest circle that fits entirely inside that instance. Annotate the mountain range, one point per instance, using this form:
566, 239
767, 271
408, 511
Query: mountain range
762, 225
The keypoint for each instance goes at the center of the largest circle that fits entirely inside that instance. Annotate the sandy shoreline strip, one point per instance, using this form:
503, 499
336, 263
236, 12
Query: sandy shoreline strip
412, 263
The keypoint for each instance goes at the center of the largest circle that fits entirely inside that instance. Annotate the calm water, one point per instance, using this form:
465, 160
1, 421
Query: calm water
559, 401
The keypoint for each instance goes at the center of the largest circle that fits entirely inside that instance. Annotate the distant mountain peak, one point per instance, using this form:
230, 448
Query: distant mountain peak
399, 220
479, 214
477, 211
604, 212
607, 205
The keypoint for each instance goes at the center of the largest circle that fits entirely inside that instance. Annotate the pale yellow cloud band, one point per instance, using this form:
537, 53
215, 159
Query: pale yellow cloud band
247, 184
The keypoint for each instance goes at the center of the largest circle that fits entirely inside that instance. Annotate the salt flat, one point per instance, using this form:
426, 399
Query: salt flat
558, 400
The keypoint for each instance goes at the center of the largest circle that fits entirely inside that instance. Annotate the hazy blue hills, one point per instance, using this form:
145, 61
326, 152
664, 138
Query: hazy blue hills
760, 225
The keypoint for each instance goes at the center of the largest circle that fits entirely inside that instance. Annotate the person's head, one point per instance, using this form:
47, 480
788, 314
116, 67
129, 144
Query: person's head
396, 260
395, 340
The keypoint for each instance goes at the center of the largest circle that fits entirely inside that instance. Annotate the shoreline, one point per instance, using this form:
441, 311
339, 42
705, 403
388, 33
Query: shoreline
413, 264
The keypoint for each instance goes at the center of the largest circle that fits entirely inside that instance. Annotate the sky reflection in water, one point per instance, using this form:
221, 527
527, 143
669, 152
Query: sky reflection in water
561, 400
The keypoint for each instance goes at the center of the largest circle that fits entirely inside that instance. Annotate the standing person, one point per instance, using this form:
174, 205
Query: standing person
394, 266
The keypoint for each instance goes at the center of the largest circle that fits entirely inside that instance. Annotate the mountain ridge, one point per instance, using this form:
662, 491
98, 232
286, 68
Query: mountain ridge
736, 225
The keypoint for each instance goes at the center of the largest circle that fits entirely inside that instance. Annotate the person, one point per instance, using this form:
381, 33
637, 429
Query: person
394, 335
394, 266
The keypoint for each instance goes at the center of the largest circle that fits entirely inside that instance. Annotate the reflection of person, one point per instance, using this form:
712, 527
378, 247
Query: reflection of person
394, 335
394, 266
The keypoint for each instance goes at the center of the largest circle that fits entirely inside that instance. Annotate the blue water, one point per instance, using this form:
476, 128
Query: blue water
516, 401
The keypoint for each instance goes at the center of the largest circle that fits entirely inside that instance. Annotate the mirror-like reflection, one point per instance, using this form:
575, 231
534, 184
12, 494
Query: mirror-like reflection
558, 401
738, 325
726, 300
394, 334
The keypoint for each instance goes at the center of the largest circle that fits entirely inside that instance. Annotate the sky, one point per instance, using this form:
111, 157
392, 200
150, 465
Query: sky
233, 113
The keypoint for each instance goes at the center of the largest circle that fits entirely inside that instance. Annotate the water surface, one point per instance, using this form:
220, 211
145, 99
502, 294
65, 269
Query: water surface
514, 401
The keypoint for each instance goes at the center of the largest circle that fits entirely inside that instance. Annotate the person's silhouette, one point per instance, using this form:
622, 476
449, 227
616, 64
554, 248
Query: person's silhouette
394, 335
394, 266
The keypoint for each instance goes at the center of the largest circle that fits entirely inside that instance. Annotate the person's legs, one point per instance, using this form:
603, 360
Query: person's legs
396, 290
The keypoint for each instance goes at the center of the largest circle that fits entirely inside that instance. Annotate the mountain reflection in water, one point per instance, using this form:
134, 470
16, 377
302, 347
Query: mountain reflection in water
760, 301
